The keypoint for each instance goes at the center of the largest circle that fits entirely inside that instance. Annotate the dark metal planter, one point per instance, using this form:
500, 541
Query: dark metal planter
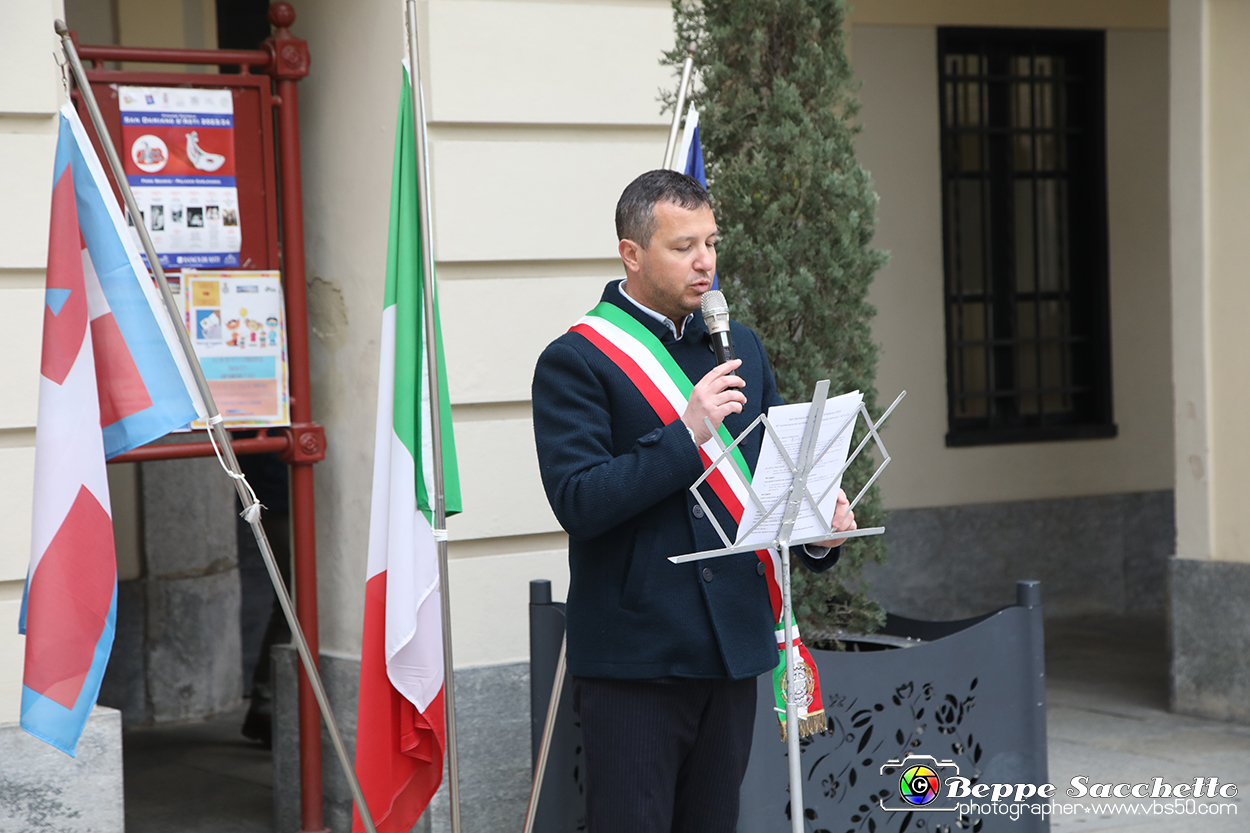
970, 692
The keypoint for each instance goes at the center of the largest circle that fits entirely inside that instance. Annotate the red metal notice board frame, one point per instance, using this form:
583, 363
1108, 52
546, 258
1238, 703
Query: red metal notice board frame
267, 150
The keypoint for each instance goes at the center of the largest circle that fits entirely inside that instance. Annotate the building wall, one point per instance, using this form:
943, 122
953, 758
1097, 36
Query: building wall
1211, 572
532, 141
1089, 14
520, 255
509, 116
30, 94
1228, 293
900, 146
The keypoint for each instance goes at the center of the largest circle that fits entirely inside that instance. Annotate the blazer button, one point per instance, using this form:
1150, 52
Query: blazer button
698, 513
759, 568
707, 573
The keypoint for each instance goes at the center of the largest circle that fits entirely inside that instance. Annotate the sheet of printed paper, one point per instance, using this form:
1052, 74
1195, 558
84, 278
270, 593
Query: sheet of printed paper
178, 152
237, 325
773, 477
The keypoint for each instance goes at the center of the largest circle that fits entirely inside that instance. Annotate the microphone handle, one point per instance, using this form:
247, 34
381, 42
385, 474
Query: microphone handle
723, 347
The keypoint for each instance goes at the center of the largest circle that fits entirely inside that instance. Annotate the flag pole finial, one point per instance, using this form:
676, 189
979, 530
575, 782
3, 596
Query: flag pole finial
681, 103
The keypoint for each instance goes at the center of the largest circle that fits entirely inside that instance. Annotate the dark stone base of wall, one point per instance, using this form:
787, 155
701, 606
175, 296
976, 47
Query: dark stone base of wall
493, 723
1100, 554
1210, 635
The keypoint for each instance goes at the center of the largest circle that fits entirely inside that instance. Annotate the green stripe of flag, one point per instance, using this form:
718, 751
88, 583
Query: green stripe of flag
632, 326
404, 291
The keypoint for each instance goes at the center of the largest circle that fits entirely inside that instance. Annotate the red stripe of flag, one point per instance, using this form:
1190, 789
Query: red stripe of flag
63, 331
399, 751
121, 386
70, 595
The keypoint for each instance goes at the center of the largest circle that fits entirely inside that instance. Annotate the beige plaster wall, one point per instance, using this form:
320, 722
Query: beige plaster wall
30, 93
516, 120
1088, 14
532, 140
1189, 211
900, 146
1228, 275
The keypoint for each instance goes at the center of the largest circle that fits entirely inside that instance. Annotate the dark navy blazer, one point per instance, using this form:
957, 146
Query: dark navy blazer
618, 481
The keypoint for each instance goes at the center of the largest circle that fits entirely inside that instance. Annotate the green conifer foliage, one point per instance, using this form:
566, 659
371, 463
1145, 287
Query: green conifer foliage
777, 107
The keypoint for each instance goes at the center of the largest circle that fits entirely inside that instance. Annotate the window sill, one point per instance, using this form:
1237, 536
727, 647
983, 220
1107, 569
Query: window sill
1043, 434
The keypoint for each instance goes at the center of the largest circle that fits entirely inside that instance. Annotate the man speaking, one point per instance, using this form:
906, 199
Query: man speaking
663, 657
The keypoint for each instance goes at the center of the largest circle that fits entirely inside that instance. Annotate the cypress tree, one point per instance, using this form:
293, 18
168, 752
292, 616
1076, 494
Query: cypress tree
777, 106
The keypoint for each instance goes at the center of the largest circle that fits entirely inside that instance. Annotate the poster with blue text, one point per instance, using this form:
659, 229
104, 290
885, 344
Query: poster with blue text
178, 152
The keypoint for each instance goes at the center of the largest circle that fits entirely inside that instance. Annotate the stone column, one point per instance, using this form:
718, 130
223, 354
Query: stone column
1210, 201
193, 666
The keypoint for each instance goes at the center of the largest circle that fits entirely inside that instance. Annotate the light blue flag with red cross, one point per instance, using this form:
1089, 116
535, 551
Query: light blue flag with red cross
111, 378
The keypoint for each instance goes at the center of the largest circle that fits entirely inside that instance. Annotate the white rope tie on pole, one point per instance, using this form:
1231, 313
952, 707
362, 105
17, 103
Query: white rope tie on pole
251, 512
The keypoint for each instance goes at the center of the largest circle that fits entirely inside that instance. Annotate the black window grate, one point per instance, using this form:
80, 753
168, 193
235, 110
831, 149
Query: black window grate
1024, 217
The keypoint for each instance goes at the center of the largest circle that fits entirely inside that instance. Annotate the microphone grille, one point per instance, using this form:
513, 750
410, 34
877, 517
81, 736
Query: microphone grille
714, 303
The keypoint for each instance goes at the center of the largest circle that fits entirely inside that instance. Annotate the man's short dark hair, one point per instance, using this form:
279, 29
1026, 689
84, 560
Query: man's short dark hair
635, 211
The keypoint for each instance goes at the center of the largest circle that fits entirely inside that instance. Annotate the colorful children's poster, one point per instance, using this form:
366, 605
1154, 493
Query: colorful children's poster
237, 325
178, 152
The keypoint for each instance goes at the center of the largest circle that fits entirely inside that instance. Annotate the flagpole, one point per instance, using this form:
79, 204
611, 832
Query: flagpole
436, 432
681, 102
216, 430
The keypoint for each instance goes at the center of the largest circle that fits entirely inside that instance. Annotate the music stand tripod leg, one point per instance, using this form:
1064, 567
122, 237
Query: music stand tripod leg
792, 712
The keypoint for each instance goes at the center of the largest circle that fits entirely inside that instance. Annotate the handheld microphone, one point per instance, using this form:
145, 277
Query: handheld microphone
716, 317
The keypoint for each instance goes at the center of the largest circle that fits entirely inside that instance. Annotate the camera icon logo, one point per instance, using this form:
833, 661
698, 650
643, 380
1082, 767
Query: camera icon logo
919, 784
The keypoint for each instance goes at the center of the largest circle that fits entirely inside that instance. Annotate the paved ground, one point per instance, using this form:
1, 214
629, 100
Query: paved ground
197, 778
1107, 719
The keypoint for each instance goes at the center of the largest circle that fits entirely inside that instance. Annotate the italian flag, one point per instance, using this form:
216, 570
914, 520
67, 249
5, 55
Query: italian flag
400, 730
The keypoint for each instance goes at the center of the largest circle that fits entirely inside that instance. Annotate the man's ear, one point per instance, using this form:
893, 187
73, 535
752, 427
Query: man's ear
629, 255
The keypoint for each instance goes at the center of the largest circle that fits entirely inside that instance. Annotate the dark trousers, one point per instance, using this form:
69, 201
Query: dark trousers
664, 756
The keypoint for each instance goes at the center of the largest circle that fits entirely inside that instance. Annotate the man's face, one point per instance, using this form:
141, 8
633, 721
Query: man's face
672, 273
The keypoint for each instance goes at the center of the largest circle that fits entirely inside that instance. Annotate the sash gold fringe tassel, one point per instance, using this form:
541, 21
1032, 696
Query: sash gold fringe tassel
808, 726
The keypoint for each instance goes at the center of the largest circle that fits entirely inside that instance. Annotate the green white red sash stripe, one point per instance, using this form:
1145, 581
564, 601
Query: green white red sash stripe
666, 388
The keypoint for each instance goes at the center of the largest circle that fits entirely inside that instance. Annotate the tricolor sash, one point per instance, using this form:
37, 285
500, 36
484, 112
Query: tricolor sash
643, 359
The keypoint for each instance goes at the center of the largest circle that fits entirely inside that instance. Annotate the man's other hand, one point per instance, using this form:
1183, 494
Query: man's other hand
843, 521
715, 397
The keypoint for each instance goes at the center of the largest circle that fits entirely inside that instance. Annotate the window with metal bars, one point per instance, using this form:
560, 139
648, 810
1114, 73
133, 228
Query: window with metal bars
1025, 235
